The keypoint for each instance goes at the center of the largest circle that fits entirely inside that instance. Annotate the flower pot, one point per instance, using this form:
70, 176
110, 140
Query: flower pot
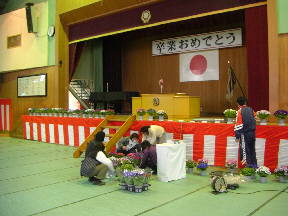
262, 179
55, 114
161, 118
249, 178
202, 173
50, 114
84, 116
130, 188
189, 170
140, 117
232, 170
65, 115
283, 179
145, 187
138, 189
90, 115
281, 122
229, 120
150, 118
102, 116
123, 186
97, 116
263, 121
60, 114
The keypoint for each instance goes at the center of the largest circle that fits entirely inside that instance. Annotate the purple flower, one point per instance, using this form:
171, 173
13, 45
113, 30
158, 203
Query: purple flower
281, 114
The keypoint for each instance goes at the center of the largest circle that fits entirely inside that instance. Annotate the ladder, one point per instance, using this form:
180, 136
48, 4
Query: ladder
114, 138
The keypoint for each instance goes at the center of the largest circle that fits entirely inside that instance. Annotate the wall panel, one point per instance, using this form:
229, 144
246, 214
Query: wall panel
283, 71
141, 72
8, 89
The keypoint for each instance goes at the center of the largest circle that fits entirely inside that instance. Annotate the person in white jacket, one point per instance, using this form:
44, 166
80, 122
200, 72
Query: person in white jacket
102, 164
155, 134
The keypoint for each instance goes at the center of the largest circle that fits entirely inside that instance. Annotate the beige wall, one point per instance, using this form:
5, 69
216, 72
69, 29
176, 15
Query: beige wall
33, 51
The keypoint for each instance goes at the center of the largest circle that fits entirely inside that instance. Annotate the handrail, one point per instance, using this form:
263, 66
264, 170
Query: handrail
81, 101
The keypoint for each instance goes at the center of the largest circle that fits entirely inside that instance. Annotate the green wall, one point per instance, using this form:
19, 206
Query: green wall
282, 7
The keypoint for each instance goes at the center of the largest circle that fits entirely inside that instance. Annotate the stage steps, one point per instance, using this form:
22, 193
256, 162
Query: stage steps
120, 131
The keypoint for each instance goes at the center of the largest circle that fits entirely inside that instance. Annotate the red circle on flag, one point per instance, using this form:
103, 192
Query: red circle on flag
198, 64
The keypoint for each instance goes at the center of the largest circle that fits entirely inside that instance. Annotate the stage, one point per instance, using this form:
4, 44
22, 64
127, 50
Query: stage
212, 141
43, 179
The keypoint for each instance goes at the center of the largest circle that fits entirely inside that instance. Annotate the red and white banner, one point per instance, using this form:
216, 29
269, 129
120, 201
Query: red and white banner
199, 66
5, 114
212, 141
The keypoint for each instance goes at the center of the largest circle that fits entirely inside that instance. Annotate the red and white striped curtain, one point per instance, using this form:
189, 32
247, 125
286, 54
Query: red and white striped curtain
212, 141
5, 114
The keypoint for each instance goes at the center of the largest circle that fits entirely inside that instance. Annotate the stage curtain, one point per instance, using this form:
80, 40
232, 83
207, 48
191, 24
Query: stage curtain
90, 66
256, 34
75, 51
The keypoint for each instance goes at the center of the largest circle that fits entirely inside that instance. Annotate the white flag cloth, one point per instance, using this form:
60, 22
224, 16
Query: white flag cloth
199, 66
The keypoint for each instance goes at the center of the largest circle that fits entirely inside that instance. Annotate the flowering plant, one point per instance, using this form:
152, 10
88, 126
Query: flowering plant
230, 113
116, 155
282, 171
263, 171
134, 176
248, 171
97, 111
31, 110
110, 112
281, 114
191, 164
202, 164
89, 111
263, 114
161, 112
141, 112
102, 112
151, 112
57, 110
135, 158
231, 164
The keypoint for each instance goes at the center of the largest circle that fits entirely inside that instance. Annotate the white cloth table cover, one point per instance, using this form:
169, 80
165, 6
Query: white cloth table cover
171, 160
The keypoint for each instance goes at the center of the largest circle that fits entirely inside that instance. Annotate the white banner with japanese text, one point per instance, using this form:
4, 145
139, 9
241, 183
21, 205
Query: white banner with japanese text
212, 40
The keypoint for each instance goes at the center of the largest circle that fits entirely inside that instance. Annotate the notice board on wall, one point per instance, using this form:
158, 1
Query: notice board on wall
32, 86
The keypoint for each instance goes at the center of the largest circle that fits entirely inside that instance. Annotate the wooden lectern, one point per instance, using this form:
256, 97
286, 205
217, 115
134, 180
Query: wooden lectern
177, 106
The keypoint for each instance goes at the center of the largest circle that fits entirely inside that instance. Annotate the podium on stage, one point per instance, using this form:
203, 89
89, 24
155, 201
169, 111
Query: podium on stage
177, 106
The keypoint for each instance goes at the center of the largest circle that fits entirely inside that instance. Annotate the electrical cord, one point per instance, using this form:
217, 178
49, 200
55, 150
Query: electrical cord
258, 191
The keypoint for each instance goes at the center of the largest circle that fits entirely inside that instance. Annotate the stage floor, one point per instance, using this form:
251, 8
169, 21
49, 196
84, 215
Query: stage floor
43, 179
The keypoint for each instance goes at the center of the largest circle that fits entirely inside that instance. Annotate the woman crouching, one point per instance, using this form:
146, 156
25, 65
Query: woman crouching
96, 164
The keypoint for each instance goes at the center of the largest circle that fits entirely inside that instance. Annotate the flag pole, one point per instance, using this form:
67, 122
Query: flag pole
243, 94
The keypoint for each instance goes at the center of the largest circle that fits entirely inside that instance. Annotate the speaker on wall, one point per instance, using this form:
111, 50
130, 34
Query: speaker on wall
31, 18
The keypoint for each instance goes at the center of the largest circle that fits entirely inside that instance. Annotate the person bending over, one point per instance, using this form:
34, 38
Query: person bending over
245, 132
128, 145
155, 134
96, 164
149, 158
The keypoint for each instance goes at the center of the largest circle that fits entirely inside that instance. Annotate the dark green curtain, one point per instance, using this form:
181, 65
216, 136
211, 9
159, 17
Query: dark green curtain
90, 66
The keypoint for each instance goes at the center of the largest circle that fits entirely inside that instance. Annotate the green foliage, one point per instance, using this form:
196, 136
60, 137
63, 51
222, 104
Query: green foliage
191, 164
248, 171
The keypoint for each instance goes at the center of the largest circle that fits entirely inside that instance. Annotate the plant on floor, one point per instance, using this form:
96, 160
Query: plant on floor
282, 171
230, 113
141, 112
231, 164
89, 111
248, 171
281, 114
110, 112
202, 164
263, 114
263, 171
191, 163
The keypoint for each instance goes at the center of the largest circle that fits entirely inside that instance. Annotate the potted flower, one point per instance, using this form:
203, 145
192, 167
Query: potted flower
97, 113
161, 114
263, 172
31, 111
202, 166
102, 113
190, 164
281, 115
263, 116
282, 173
248, 172
231, 165
151, 113
88, 113
141, 112
230, 114
110, 112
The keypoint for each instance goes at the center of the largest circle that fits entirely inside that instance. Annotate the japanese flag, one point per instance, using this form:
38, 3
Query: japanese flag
199, 66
